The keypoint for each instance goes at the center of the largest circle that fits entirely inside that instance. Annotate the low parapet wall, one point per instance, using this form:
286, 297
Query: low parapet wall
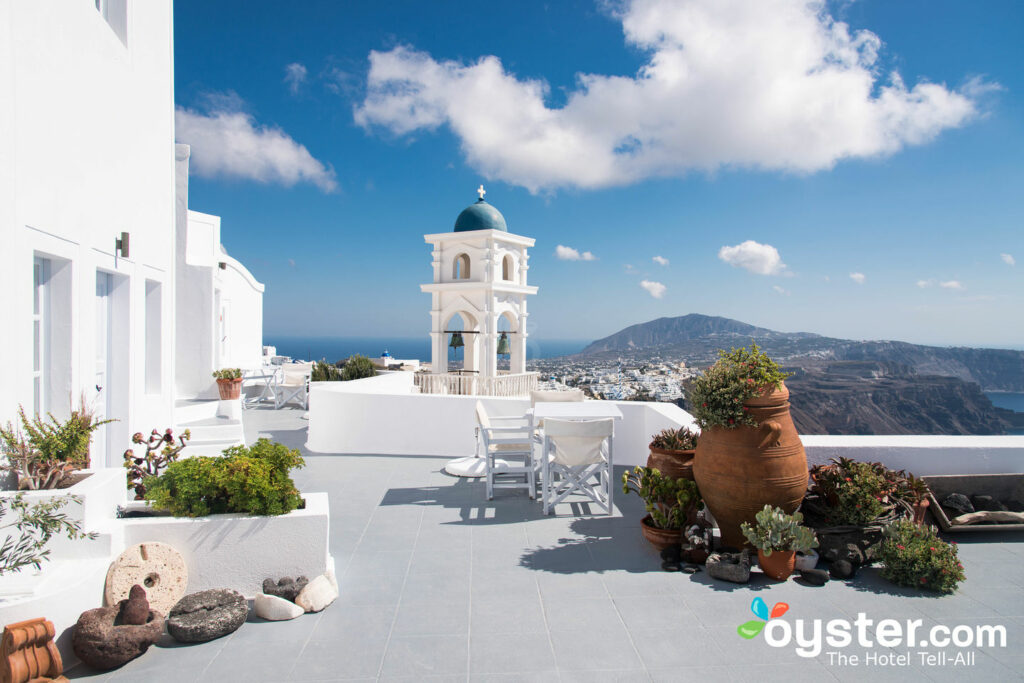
382, 416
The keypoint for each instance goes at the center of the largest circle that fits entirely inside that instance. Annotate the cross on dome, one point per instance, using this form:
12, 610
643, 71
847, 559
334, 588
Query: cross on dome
481, 191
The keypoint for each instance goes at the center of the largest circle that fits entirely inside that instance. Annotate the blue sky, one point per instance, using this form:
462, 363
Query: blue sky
764, 150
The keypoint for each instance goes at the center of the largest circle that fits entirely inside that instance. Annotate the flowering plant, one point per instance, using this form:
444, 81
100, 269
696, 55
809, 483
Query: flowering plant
718, 395
915, 556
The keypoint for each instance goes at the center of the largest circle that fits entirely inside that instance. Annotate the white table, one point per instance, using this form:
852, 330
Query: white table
267, 375
575, 410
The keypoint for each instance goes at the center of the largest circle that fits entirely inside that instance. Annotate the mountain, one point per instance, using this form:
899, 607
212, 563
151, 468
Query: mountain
672, 331
697, 338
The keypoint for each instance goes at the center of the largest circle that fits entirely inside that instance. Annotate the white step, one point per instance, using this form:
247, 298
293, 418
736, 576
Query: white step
193, 410
211, 435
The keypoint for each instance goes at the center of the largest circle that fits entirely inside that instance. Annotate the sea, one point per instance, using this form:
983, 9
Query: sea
1009, 400
411, 348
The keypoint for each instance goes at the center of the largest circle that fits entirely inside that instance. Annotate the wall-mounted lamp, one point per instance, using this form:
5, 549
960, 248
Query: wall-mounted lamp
121, 245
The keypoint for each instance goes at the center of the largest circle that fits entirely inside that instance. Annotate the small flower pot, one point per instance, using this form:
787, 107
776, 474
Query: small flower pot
229, 389
808, 560
660, 538
779, 565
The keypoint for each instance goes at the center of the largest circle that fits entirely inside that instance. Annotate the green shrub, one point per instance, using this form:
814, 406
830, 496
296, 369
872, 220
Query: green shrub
325, 372
358, 367
228, 373
667, 500
775, 530
48, 449
252, 480
915, 556
36, 524
717, 396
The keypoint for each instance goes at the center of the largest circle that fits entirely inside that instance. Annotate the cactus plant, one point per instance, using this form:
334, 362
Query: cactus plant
775, 530
681, 439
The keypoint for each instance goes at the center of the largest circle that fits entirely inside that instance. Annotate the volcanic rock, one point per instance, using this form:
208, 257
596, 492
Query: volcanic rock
958, 502
206, 615
285, 587
733, 567
815, 577
135, 610
103, 644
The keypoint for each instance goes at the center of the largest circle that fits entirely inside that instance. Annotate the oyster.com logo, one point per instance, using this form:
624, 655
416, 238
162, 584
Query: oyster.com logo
759, 607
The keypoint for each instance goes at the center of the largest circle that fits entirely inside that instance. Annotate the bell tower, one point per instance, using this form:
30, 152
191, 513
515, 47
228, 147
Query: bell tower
480, 271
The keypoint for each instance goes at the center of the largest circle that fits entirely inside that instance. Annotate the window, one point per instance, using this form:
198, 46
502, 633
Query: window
506, 267
153, 337
40, 332
460, 270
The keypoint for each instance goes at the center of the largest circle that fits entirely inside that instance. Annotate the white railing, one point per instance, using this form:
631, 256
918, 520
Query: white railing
460, 384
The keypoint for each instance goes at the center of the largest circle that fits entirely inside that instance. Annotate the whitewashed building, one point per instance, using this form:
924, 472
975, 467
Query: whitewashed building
99, 257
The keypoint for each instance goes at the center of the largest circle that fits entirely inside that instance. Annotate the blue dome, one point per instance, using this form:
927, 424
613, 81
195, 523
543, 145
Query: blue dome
480, 216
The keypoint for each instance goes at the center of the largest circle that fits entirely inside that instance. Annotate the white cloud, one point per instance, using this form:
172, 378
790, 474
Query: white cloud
858, 278
762, 259
1008, 259
569, 254
780, 290
660, 260
228, 142
655, 289
759, 84
295, 75
951, 284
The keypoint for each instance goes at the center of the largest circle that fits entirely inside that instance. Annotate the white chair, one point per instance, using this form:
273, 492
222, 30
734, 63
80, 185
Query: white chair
580, 451
549, 396
511, 442
291, 383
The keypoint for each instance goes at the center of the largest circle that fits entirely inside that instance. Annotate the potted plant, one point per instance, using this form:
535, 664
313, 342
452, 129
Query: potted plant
778, 537
672, 452
229, 383
46, 454
671, 504
749, 454
915, 491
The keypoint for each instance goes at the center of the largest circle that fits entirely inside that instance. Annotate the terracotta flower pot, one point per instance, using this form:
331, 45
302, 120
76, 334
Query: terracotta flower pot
779, 565
674, 464
229, 389
660, 538
740, 470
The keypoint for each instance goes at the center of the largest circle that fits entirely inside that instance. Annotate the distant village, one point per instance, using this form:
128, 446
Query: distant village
616, 380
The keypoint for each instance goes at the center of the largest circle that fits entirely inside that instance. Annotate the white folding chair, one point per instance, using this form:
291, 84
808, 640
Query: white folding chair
292, 384
580, 451
548, 396
510, 442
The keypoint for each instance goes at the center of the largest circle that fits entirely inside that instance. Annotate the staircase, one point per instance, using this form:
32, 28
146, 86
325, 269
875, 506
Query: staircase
211, 433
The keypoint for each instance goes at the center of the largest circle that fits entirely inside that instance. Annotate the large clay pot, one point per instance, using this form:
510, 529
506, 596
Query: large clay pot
674, 464
740, 470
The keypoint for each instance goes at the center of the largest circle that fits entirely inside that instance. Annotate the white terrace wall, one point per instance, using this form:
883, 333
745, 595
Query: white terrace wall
87, 132
379, 415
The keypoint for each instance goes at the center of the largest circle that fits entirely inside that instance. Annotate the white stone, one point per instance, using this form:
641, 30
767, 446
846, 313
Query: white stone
318, 593
273, 608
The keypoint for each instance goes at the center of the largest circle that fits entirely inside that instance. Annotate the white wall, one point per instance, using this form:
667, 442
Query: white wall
243, 297
87, 129
378, 415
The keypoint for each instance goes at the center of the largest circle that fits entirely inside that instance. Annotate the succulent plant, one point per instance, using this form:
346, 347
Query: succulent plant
775, 530
667, 500
228, 373
682, 439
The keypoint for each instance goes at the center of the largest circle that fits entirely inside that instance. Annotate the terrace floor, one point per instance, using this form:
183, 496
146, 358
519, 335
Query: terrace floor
437, 583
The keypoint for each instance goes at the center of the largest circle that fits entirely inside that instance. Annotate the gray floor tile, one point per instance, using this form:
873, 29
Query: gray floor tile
357, 656
659, 612
425, 655
600, 647
497, 614
681, 648
434, 617
510, 652
579, 614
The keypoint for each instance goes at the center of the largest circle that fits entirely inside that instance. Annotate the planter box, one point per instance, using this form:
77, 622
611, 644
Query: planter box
238, 551
1002, 487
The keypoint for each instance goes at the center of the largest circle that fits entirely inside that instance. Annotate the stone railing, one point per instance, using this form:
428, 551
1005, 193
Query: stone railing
459, 384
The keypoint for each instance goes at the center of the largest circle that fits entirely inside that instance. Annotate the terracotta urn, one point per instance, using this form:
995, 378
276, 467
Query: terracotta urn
229, 389
671, 463
740, 470
779, 565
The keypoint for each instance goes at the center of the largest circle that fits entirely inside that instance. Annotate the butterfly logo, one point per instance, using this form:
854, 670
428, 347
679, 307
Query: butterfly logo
760, 609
